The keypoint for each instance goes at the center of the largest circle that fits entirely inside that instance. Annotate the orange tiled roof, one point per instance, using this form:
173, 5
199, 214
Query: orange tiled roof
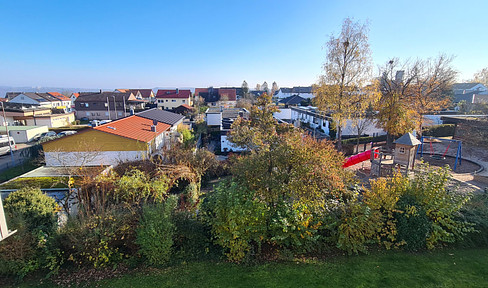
59, 96
134, 127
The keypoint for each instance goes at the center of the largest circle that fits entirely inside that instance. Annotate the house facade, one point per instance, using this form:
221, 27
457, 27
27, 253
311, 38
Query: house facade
33, 115
221, 119
304, 92
170, 99
35, 98
104, 105
218, 97
128, 139
142, 94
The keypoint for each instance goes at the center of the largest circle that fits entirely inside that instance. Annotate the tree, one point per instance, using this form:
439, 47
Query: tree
347, 70
411, 89
244, 89
274, 88
481, 77
265, 88
260, 130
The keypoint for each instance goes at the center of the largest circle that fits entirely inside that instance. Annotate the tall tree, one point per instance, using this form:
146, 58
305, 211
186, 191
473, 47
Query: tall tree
411, 89
347, 69
481, 77
274, 88
265, 88
244, 89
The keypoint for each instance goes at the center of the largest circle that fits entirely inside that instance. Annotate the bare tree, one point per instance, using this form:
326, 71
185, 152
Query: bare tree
481, 77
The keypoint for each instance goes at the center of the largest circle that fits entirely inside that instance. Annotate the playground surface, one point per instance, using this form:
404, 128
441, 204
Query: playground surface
465, 175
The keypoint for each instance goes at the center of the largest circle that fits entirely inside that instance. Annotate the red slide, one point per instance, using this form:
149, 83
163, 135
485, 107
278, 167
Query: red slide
358, 158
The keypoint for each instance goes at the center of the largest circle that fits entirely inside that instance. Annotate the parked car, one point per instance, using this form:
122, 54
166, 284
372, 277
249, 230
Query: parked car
66, 133
41, 136
4, 145
105, 122
95, 123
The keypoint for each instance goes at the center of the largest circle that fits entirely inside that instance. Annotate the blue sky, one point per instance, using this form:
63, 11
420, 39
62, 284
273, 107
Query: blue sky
136, 44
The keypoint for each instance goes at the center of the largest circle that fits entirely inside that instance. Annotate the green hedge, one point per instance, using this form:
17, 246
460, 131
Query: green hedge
363, 140
443, 130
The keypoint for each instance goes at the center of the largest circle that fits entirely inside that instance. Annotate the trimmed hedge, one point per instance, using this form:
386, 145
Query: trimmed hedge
363, 140
443, 130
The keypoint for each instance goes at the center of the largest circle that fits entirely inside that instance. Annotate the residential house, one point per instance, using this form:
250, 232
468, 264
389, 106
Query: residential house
73, 98
218, 97
33, 115
127, 139
35, 98
142, 94
170, 99
65, 101
163, 116
184, 109
105, 105
221, 119
470, 92
294, 100
304, 92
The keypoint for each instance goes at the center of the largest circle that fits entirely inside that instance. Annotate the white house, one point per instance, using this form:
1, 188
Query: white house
38, 99
304, 92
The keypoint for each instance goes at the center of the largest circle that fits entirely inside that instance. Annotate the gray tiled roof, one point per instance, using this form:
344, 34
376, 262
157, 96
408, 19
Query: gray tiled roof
463, 86
408, 139
161, 116
102, 97
292, 100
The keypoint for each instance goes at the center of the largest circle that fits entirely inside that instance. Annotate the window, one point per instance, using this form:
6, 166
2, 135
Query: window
166, 100
106, 113
93, 114
87, 113
173, 100
98, 114
120, 113
401, 150
106, 105
87, 105
183, 101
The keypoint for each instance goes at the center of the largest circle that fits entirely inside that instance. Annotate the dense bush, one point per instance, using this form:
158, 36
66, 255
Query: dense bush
443, 130
192, 237
476, 212
155, 232
363, 140
422, 212
32, 214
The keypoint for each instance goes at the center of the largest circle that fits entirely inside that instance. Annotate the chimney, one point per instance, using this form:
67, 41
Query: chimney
153, 128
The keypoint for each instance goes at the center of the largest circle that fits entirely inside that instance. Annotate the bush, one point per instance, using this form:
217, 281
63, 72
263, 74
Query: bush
32, 214
103, 240
444, 130
155, 232
413, 225
476, 212
237, 220
363, 140
192, 237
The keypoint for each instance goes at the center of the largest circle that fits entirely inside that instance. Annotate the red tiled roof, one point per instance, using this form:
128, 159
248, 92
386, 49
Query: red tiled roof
134, 127
173, 94
186, 106
229, 93
76, 94
3, 99
198, 90
59, 96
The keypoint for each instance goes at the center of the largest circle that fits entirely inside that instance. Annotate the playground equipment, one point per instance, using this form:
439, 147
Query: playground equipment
358, 158
420, 150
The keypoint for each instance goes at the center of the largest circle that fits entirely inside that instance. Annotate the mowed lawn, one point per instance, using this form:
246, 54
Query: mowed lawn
447, 268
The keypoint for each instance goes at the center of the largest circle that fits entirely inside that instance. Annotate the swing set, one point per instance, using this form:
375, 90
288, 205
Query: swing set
420, 150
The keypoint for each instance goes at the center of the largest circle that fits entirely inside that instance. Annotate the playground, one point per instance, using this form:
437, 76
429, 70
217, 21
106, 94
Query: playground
468, 163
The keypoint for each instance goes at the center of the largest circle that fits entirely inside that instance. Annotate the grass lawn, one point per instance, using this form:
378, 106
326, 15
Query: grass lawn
447, 268
17, 171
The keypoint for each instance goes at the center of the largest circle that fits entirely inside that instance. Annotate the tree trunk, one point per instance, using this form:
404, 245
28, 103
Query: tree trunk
339, 138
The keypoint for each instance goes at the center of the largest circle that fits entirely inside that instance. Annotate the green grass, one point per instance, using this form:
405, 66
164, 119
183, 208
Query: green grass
447, 268
17, 171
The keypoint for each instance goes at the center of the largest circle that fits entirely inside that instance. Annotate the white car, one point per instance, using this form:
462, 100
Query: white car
66, 133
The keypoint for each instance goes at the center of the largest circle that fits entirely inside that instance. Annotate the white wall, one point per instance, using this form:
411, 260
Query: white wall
92, 158
283, 114
214, 119
227, 146
24, 136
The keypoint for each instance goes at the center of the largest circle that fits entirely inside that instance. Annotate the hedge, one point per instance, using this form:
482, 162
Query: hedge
443, 130
363, 140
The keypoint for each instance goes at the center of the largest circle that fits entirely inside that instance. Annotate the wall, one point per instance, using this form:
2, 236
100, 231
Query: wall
24, 136
52, 121
169, 103
214, 119
283, 114
92, 158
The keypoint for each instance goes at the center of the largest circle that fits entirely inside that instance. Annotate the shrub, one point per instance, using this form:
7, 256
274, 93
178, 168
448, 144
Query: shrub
32, 213
443, 130
33, 206
100, 240
476, 212
237, 220
192, 237
413, 225
155, 232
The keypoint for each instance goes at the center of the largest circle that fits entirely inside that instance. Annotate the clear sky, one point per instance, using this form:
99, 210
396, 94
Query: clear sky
137, 44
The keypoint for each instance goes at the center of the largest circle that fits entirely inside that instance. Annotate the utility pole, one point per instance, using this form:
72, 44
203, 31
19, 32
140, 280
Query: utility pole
115, 107
8, 135
108, 108
125, 110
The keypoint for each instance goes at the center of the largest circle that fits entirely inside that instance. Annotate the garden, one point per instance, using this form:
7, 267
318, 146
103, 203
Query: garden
284, 214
